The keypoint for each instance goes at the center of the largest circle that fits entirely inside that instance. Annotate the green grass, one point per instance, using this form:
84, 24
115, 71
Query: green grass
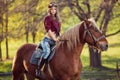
5, 78
13, 46
109, 59
6, 66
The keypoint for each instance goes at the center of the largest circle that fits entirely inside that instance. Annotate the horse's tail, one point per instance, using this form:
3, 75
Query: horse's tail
17, 66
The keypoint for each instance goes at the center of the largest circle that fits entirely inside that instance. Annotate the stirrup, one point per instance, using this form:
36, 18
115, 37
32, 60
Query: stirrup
38, 73
40, 65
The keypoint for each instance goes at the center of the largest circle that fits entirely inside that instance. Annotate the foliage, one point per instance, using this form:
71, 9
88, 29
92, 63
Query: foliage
18, 22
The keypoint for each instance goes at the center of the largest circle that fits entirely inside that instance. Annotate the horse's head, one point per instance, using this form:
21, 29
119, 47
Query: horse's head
93, 36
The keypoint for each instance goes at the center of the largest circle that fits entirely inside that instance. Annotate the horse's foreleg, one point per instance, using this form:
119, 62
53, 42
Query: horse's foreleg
29, 77
17, 71
17, 76
22, 76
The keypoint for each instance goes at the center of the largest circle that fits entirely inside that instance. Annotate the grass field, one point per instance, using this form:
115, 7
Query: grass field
109, 59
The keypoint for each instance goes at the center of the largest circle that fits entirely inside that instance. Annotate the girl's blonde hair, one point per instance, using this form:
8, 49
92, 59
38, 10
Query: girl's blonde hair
57, 16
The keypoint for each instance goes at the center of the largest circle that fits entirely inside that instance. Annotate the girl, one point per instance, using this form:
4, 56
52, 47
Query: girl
52, 27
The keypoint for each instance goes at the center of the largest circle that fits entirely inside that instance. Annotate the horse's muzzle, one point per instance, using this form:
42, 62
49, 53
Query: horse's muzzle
103, 46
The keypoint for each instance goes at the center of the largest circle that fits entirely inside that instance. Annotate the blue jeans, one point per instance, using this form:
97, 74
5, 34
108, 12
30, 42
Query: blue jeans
46, 44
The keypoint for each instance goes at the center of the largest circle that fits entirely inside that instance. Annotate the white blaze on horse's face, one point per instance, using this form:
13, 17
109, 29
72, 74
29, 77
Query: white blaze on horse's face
93, 36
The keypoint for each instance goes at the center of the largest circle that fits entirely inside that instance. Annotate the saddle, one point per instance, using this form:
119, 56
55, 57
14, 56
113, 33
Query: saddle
37, 55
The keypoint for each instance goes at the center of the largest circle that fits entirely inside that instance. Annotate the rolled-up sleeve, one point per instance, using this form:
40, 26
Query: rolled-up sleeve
47, 23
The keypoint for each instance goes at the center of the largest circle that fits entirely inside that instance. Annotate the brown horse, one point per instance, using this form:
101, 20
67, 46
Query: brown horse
66, 63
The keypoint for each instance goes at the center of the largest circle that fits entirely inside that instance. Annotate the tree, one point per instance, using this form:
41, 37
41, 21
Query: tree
6, 28
106, 6
30, 21
4, 10
1, 28
31, 16
6, 3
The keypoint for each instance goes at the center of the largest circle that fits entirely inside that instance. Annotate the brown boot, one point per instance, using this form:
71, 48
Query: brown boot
40, 65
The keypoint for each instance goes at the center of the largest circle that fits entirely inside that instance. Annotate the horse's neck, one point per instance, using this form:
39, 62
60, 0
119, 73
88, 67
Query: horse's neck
77, 50
73, 52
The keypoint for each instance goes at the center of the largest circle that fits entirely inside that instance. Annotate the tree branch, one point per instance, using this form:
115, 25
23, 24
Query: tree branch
99, 11
79, 7
87, 3
113, 33
76, 9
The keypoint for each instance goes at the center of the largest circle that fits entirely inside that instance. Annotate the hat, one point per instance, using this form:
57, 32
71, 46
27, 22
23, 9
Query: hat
52, 4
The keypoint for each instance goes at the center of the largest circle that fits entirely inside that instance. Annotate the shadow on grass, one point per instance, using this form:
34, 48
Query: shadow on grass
5, 78
101, 73
107, 60
110, 60
98, 69
115, 45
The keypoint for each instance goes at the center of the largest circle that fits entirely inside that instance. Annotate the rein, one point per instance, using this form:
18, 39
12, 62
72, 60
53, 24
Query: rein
90, 34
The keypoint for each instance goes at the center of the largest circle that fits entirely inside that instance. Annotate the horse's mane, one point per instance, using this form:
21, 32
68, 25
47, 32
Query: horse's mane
93, 22
72, 35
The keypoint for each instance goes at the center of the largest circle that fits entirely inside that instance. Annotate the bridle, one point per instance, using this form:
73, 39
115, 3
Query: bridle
90, 34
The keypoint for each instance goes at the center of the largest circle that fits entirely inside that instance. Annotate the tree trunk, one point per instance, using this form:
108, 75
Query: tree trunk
7, 52
33, 35
27, 35
0, 52
1, 27
95, 58
6, 15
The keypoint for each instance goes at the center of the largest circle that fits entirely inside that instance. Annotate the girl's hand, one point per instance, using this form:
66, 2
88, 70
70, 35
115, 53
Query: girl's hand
56, 40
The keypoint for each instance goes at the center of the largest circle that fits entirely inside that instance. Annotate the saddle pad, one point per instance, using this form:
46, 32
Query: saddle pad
37, 55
